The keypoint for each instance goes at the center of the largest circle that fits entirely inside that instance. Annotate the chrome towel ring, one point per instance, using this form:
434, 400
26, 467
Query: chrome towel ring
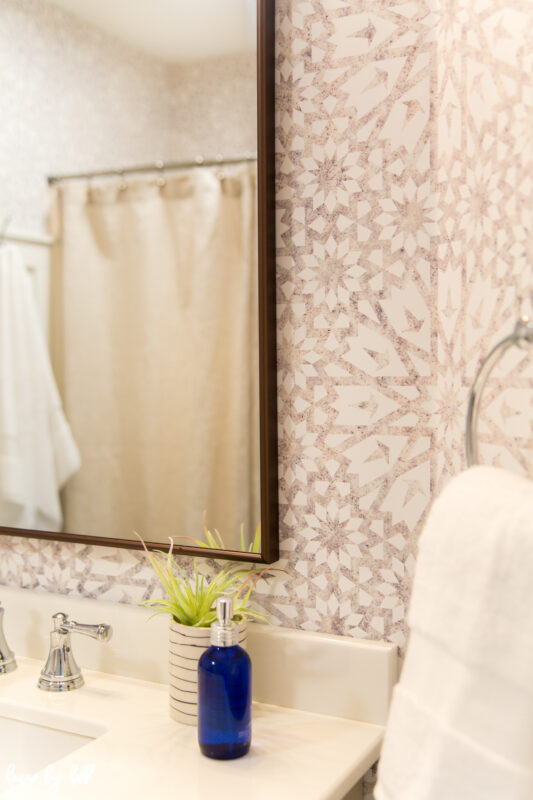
522, 336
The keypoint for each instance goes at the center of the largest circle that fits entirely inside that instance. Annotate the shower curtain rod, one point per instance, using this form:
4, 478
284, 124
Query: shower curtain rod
158, 166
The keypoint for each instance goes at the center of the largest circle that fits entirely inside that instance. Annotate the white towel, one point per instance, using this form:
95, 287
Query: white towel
461, 722
37, 450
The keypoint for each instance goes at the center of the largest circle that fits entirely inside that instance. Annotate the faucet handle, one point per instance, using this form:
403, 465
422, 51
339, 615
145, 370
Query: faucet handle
7, 656
61, 672
101, 631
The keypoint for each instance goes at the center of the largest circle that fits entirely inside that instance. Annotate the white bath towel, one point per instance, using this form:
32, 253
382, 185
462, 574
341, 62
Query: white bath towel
461, 722
37, 451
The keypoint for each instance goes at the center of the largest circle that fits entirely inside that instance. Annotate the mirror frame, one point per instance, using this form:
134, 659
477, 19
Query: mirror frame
267, 332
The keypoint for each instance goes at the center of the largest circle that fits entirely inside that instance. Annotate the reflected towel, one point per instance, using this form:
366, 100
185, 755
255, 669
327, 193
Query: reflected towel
37, 451
461, 722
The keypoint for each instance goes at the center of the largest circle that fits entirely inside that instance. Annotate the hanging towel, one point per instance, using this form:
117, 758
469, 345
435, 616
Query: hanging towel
37, 451
461, 721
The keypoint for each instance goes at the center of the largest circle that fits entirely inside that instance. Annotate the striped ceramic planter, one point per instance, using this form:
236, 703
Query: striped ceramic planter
186, 646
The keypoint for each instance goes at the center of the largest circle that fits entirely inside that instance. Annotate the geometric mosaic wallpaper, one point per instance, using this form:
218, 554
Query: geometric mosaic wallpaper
405, 221
404, 195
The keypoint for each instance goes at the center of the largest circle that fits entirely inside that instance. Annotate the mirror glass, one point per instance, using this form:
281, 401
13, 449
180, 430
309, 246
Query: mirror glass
129, 270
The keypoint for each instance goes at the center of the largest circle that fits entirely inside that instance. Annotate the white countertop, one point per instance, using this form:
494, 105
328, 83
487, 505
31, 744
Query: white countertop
144, 753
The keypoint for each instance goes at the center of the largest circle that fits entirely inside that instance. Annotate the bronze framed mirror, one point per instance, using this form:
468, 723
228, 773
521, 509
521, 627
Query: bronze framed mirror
140, 378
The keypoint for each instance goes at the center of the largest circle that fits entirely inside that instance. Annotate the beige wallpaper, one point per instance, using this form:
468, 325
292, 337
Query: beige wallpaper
75, 99
214, 107
71, 99
404, 244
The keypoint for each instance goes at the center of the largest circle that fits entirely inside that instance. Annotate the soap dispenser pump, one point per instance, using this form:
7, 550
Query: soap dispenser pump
224, 690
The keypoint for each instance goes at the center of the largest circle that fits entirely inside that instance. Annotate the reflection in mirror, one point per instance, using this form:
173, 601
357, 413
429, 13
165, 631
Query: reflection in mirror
129, 335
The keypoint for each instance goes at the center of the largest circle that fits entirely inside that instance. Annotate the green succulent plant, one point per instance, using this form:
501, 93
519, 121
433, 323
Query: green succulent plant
192, 601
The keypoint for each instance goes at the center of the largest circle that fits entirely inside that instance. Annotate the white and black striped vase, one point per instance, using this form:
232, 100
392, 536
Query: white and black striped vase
185, 648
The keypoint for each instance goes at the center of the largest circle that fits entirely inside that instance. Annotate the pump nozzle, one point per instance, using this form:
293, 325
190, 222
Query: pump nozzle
224, 632
225, 610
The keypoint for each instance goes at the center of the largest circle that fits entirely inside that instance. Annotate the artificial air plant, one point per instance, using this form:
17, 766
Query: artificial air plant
192, 601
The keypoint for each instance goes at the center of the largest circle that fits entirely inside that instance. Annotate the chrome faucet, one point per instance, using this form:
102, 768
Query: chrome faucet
7, 656
61, 673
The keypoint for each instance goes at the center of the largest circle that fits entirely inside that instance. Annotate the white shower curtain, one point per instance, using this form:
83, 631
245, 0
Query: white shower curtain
155, 345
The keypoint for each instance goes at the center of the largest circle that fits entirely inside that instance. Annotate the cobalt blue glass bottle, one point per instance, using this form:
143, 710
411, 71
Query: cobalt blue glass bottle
224, 690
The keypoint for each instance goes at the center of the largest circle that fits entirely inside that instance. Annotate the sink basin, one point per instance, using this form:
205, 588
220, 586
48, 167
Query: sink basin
30, 745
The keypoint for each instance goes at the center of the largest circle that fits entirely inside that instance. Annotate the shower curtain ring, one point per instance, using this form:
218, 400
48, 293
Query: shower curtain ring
161, 180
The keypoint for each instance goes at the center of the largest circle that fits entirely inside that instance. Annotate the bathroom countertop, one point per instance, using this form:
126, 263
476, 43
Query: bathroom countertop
143, 753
